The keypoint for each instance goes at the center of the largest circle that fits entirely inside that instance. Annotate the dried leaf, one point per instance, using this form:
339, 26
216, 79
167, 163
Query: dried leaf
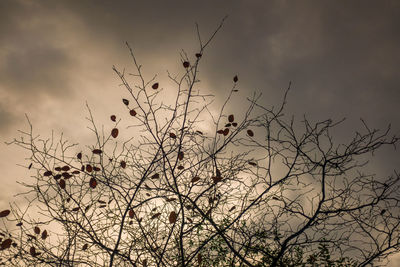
199, 132
172, 217
93, 183
235, 79
186, 64
79, 156
155, 86
36, 230
228, 125
195, 179
96, 169
19, 224
89, 168
44, 234
114, 132
252, 163
198, 55
180, 167
226, 131
4, 213
123, 164
47, 173
170, 199
58, 176
180, 155
156, 215
231, 118
61, 183
234, 124
232, 209
66, 175
131, 213
30, 166
125, 101
6, 244
57, 169
132, 112
97, 151
220, 132
85, 247
172, 135
32, 251
250, 133
155, 176
65, 168
113, 117
76, 172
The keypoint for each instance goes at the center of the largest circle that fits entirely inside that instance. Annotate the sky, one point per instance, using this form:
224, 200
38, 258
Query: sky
342, 58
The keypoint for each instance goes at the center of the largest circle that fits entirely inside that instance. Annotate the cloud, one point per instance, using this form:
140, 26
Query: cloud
7, 119
34, 69
335, 55
35, 57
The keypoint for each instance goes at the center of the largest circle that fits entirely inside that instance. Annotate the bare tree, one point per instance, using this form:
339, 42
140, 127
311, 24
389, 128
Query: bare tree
199, 187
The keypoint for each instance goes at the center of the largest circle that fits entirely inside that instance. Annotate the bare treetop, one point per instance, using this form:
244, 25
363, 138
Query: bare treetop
196, 187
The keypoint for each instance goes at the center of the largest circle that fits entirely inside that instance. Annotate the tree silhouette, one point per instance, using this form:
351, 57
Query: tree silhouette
193, 186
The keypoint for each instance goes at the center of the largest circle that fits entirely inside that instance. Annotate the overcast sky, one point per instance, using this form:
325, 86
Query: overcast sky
342, 57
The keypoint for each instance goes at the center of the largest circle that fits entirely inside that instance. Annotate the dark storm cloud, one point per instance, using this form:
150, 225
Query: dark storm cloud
343, 47
356, 56
33, 60
345, 55
154, 21
341, 57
